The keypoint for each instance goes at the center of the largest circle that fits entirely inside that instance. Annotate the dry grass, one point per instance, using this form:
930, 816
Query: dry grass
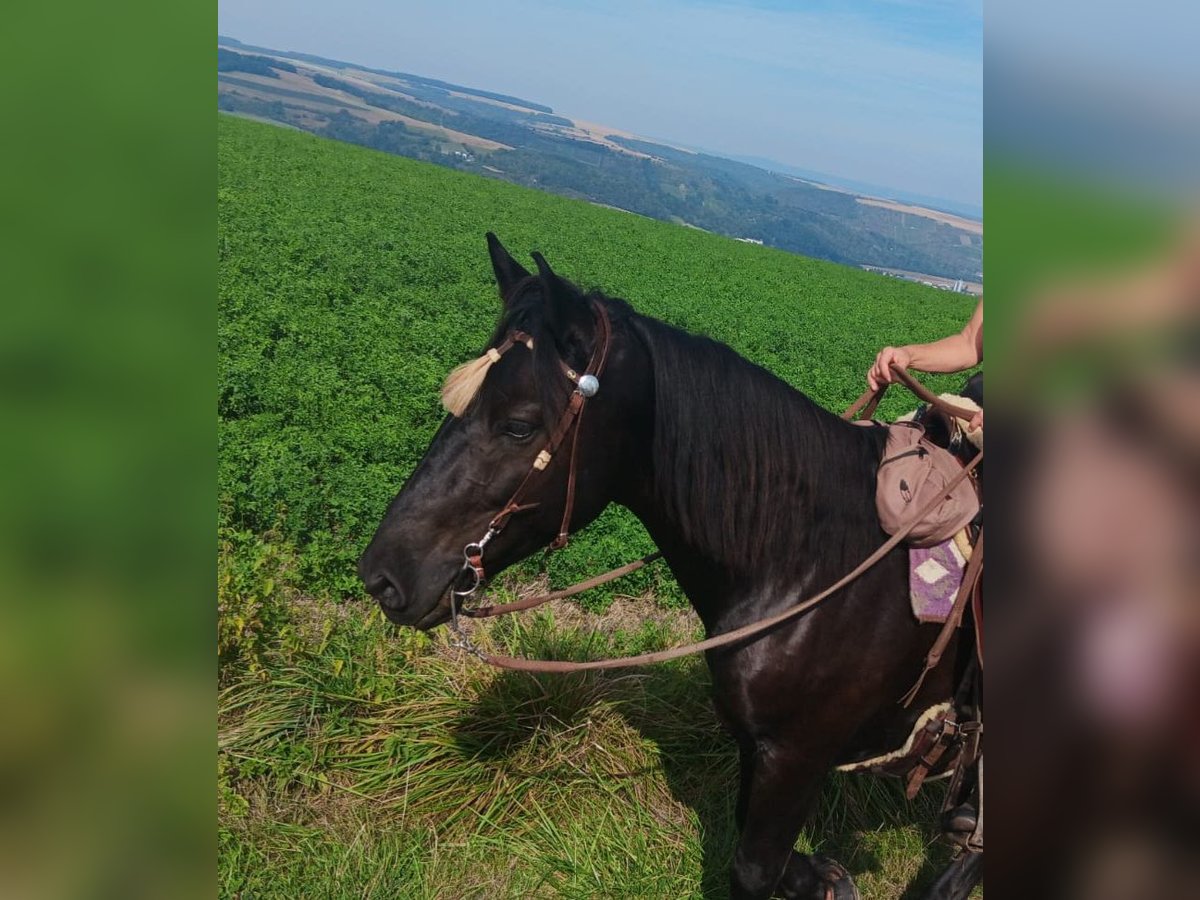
370, 761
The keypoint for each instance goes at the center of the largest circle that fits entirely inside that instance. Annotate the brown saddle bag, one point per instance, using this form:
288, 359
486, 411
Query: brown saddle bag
912, 472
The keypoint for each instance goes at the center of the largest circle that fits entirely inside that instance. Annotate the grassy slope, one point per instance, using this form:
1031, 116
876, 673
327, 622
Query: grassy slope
350, 282
358, 762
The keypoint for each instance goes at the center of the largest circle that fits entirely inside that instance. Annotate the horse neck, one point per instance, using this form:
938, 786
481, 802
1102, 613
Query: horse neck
739, 468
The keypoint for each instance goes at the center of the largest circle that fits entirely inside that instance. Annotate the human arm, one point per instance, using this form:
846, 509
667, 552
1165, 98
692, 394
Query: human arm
950, 354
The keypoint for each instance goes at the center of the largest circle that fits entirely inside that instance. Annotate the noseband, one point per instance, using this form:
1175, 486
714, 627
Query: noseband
568, 426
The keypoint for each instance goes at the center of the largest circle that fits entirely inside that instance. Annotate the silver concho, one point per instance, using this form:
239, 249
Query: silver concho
589, 385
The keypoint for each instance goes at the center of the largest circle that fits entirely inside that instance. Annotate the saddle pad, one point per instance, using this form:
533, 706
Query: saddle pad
934, 576
903, 758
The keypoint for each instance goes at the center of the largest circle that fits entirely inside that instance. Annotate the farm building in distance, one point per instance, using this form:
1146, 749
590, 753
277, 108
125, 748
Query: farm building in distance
955, 286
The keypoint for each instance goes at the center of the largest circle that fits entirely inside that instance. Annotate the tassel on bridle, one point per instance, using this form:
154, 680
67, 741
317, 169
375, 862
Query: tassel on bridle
464, 382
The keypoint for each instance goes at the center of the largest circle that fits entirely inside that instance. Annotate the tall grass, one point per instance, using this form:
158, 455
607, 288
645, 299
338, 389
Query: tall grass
360, 760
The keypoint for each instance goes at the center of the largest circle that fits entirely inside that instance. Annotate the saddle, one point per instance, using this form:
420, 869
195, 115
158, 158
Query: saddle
947, 739
954, 745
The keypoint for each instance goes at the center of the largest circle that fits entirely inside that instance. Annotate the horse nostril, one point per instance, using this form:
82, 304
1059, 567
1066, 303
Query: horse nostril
373, 574
376, 585
379, 584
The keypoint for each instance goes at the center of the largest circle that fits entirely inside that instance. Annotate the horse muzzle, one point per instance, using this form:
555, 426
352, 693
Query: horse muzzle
419, 602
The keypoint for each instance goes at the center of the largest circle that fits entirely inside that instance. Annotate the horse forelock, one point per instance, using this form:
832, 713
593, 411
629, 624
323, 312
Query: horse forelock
524, 311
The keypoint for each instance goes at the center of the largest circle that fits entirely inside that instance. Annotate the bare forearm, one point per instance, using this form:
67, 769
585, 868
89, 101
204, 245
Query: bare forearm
951, 354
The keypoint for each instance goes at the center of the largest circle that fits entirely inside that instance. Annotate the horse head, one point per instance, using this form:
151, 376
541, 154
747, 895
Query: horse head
494, 482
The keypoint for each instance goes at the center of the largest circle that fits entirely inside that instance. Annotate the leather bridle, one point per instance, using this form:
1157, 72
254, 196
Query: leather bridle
586, 384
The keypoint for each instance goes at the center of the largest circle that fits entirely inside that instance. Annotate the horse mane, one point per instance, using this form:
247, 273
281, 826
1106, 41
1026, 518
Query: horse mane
745, 464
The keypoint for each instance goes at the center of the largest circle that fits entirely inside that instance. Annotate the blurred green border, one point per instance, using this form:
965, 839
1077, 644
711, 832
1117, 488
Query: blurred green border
1043, 225
107, 554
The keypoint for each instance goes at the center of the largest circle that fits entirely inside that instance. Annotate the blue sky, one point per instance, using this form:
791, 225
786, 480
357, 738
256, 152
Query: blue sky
888, 92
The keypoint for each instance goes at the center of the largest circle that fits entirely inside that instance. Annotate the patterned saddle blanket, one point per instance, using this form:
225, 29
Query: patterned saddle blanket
934, 576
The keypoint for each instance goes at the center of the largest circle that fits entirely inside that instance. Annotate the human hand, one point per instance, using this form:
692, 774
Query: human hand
881, 372
976, 421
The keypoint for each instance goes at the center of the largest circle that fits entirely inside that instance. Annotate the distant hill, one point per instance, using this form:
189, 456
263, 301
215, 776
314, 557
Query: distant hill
866, 189
415, 79
509, 138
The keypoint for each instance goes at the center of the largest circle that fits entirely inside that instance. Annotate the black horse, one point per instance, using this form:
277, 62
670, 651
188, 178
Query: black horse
757, 498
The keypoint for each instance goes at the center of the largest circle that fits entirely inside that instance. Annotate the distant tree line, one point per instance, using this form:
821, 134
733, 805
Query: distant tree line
229, 61
413, 80
276, 110
486, 120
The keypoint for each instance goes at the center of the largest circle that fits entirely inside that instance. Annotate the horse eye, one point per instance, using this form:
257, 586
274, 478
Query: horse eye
518, 429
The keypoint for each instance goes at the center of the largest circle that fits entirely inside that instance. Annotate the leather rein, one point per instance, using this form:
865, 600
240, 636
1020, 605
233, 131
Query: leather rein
586, 386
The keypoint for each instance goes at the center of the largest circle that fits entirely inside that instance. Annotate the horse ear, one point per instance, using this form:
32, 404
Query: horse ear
508, 270
567, 314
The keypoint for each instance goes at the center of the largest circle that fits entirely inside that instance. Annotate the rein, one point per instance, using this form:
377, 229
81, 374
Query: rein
730, 637
862, 407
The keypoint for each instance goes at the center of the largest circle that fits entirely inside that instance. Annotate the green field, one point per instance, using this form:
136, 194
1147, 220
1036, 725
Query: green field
356, 760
